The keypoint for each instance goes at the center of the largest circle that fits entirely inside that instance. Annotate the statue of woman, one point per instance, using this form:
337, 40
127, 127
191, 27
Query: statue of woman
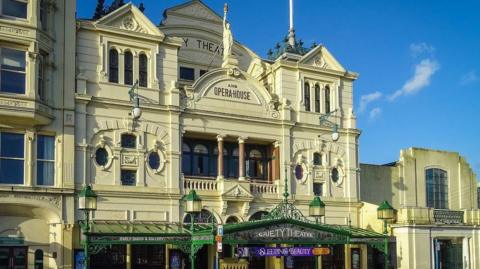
227, 35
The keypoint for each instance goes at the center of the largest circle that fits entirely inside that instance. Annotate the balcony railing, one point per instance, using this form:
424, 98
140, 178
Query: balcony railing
263, 188
447, 216
230, 263
200, 184
426, 216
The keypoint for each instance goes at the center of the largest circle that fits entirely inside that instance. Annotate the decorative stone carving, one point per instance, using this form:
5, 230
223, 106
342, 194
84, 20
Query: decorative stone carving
129, 160
129, 23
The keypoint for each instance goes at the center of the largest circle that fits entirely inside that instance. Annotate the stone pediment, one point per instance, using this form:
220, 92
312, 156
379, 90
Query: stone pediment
129, 18
195, 9
320, 57
237, 192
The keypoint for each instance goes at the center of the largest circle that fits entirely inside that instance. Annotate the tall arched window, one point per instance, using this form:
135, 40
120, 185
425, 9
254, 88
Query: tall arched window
317, 98
128, 76
38, 259
186, 159
113, 66
256, 164
143, 72
201, 158
306, 96
437, 188
327, 99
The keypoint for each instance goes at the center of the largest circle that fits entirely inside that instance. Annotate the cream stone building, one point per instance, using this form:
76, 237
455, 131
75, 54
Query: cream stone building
436, 197
37, 56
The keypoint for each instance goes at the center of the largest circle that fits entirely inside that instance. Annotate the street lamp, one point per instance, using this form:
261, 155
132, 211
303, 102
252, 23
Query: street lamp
386, 213
193, 205
325, 121
136, 112
316, 208
87, 202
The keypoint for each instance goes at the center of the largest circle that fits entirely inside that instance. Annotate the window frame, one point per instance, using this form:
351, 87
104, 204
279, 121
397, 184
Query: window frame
128, 68
438, 188
143, 70
23, 174
43, 15
2, 15
306, 97
38, 160
317, 98
24, 72
328, 104
132, 135
321, 184
113, 68
185, 68
122, 170
254, 160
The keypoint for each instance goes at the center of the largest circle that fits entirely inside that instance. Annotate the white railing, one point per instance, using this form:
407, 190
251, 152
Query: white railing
200, 184
263, 188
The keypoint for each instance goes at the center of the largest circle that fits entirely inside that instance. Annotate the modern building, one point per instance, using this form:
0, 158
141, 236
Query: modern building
436, 197
37, 88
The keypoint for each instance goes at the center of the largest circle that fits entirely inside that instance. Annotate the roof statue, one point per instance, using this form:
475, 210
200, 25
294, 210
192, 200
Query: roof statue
228, 59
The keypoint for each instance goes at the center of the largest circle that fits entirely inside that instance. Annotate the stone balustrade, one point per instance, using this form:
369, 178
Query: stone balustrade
200, 184
426, 216
263, 188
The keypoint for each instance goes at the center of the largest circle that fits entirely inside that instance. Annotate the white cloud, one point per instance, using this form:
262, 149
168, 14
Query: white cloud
469, 78
422, 48
367, 99
375, 113
421, 79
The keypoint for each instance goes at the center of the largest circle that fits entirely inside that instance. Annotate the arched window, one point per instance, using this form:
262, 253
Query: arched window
258, 215
437, 188
113, 66
129, 141
204, 217
327, 99
128, 68
306, 96
186, 159
38, 259
317, 98
143, 70
232, 219
201, 158
317, 158
256, 164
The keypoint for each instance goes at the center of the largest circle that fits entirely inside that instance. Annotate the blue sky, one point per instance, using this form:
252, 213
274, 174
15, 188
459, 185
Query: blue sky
419, 63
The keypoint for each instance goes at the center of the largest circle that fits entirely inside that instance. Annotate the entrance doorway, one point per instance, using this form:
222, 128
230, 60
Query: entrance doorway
13, 257
148, 257
448, 254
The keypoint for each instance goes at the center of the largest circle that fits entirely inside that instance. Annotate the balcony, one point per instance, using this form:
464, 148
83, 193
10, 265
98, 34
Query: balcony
21, 110
212, 186
430, 216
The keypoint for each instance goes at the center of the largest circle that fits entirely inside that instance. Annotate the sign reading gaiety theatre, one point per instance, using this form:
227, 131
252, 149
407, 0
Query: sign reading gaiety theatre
233, 91
285, 233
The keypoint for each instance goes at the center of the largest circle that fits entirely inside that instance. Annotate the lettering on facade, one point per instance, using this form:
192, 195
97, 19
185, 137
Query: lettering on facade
13, 30
232, 91
200, 44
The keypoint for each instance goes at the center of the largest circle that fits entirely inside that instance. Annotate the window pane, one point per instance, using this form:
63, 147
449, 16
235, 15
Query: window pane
307, 96
200, 149
143, 74
154, 160
128, 68
14, 8
45, 173
317, 159
113, 66
187, 73
13, 82
128, 177
129, 141
101, 156
13, 59
46, 147
11, 145
318, 189
11, 171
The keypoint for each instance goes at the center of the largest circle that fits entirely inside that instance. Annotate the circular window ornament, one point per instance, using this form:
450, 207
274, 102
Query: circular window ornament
298, 172
156, 161
101, 156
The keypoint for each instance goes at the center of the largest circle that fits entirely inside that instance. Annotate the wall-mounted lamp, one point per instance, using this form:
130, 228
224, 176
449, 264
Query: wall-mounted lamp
136, 112
325, 121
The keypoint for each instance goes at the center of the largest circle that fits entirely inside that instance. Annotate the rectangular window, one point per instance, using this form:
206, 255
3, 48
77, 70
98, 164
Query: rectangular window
129, 177
43, 15
14, 8
12, 158
318, 189
317, 98
45, 160
12, 71
187, 73
41, 78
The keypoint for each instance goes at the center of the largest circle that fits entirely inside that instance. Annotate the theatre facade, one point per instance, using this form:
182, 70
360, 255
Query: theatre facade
238, 129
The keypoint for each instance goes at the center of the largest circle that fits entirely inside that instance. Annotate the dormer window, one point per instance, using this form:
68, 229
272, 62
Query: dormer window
113, 66
128, 68
14, 8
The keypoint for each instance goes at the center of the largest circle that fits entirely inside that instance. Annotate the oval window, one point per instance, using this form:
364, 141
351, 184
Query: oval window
335, 175
154, 160
101, 156
298, 172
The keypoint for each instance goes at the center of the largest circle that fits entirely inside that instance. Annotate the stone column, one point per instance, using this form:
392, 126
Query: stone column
220, 172
276, 161
241, 158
